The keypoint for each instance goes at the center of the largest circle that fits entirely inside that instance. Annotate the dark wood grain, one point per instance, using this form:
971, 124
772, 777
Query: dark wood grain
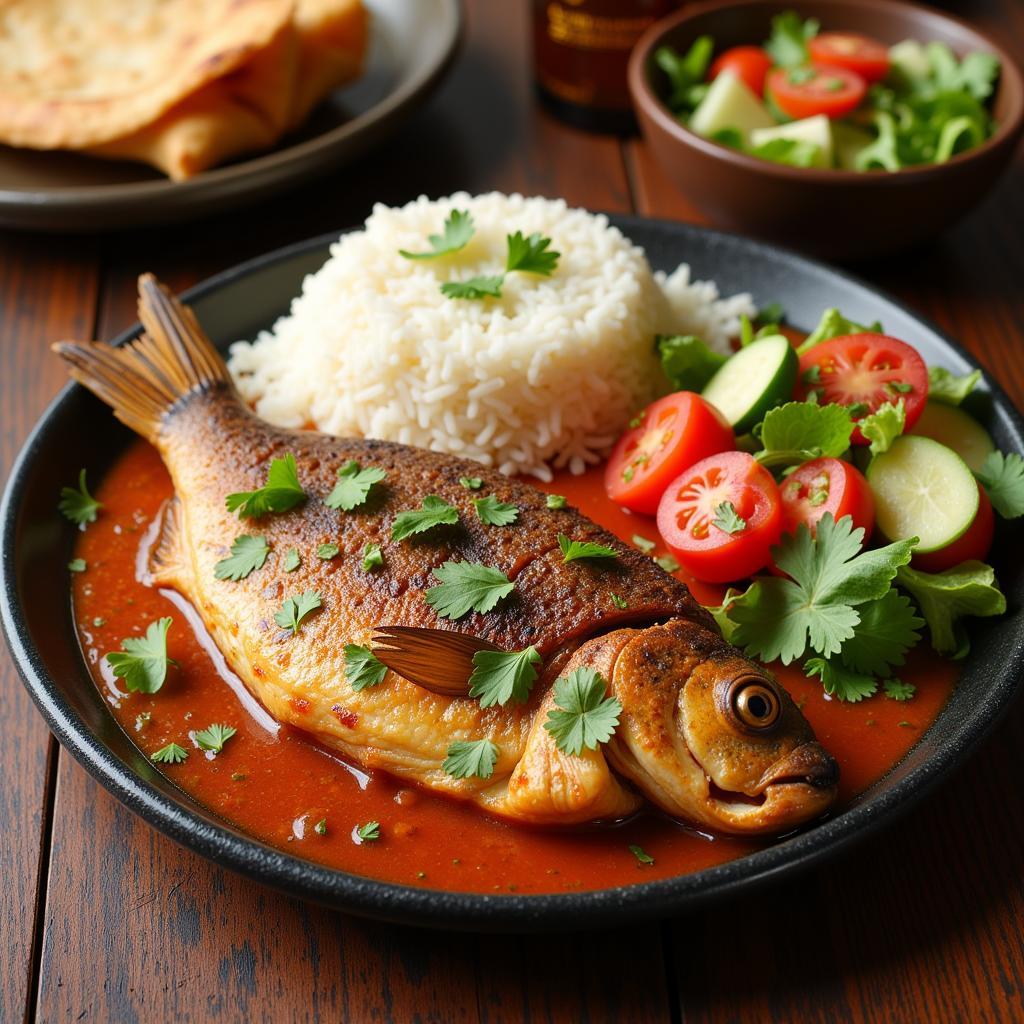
922, 922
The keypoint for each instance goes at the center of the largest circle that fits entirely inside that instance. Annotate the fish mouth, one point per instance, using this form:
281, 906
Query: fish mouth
810, 764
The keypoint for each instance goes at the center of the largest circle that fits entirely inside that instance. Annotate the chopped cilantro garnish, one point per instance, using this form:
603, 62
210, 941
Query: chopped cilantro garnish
841, 682
353, 486
620, 602
458, 230
78, 505
888, 628
465, 587
883, 426
584, 716
816, 605
325, 552
247, 555
471, 483
77, 565
494, 512
295, 609
468, 758
281, 492
372, 557
474, 288
98, 621
213, 737
896, 689
142, 662
434, 512
668, 563
645, 545
171, 754
530, 254
369, 832
292, 560
320, 828
362, 667
576, 549
727, 519
1002, 476
556, 501
640, 854
501, 676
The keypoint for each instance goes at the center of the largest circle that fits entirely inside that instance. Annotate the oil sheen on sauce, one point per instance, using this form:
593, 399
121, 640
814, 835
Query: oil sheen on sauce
276, 784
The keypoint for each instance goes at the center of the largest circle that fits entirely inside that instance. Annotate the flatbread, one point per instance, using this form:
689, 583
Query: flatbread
80, 73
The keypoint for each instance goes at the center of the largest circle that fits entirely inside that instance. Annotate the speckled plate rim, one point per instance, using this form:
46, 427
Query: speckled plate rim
969, 722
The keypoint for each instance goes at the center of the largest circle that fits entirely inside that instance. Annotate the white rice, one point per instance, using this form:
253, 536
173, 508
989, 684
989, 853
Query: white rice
546, 376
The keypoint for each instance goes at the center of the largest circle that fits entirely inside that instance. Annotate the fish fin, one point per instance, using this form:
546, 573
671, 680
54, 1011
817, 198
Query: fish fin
165, 562
145, 379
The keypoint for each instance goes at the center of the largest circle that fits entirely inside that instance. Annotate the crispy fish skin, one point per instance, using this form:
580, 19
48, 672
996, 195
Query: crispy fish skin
681, 742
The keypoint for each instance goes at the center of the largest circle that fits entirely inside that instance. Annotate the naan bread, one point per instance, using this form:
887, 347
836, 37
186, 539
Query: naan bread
79, 73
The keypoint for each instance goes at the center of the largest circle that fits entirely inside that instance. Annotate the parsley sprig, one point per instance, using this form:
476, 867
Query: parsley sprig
142, 662
458, 230
171, 754
584, 716
572, 550
727, 519
1002, 476
353, 486
434, 512
471, 758
493, 512
77, 504
526, 254
362, 667
466, 587
501, 676
297, 608
213, 737
248, 553
281, 492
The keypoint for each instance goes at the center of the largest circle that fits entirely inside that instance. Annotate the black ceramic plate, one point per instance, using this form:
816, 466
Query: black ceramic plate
78, 430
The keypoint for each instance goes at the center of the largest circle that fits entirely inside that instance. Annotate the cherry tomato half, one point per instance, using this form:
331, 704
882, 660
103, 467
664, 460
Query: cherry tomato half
806, 92
861, 54
715, 543
975, 543
748, 63
826, 485
674, 432
865, 371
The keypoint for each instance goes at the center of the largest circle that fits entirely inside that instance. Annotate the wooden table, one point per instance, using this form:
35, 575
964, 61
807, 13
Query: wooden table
102, 919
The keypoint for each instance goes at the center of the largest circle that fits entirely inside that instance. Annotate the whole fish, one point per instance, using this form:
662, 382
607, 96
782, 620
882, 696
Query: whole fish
704, 733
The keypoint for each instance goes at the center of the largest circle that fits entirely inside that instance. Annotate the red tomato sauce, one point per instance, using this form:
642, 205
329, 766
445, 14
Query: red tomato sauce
276, 784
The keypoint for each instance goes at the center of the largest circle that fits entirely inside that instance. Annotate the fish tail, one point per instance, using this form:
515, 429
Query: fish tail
144, 380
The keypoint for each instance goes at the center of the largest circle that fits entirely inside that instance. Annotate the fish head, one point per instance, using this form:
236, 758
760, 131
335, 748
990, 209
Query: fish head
713, 737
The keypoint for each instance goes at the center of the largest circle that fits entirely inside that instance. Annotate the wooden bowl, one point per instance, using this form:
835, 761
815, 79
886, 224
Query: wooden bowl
837, 214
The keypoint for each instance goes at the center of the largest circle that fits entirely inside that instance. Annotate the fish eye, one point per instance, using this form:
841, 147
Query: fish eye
754, 702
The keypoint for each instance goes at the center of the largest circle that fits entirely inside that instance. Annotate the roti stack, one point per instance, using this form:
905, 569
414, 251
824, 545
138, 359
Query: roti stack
180, 84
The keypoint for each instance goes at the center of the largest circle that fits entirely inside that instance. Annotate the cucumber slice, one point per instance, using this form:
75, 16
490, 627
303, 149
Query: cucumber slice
923, 489
728, 103
817, 130
754, 380
957, 430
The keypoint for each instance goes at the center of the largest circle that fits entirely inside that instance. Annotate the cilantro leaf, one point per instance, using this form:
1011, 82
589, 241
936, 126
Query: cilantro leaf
368, 833
495, 513
727, 519
471, 483
362, 667
620, 602
142, 662
280, 493
944, 598
295, 609
458, 230
353, 486
501, 676
686, 72
834, 325
468, 758
584, 715
787, 45
888, 628
372, 557
171, 754
641, 856
799, 431
556, 501
720, 613
434, 512
78, 505
530, 255
643, 543
474, 288
687, 362
841, 682
1002, 476
829, 575
668, 563
325, 552
77, 565
213, 737
465, 587
320, 828
575, 549
247, 555
883, 426
896, 689
292, 560
945, 386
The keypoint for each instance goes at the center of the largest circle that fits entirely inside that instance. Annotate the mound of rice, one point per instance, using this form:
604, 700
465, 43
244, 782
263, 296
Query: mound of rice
546, 376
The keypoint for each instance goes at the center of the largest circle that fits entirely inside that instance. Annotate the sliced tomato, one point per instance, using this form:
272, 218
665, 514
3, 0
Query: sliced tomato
672, 433
975, 543
865, 371
749, 63
721, 517
852, 51
826, 485
809, 91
